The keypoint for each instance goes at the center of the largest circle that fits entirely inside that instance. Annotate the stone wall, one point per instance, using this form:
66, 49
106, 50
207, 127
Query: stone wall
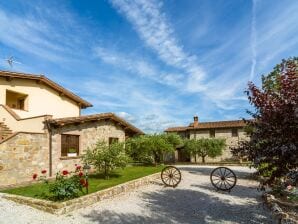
89, 134
21, 156
221, 133
28, 153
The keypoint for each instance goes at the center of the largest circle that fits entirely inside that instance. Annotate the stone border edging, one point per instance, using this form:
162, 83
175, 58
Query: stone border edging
210, 164
276, 210
60, 208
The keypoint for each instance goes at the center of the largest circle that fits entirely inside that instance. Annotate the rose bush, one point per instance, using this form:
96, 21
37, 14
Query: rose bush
66, 185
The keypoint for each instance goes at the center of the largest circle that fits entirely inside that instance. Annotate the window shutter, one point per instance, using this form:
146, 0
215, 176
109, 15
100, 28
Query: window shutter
69, 142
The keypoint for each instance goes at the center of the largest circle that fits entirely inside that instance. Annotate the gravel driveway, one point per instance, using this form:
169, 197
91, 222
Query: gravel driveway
193, 201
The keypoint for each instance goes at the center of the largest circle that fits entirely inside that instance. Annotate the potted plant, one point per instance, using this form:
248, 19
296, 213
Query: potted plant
72, 152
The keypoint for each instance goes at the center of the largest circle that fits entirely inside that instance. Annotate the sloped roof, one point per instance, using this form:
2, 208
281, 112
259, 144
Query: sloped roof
43, 79
209, 125
59, 122
176, 129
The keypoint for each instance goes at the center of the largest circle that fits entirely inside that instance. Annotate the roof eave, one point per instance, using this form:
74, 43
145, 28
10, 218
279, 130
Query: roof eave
41, 78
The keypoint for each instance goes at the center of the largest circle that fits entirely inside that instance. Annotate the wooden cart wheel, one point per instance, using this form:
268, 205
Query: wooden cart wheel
223, 178
171, 176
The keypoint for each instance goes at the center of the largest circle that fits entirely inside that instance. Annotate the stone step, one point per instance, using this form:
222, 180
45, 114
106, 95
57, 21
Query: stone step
4, 131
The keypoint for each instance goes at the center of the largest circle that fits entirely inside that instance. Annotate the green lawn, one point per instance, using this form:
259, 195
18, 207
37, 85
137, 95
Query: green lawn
96, 182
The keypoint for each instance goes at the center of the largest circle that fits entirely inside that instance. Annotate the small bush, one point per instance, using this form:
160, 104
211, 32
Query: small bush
67, 185
106, 157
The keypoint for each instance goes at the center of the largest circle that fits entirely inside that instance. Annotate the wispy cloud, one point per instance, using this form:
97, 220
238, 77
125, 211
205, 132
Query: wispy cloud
253, 41
153, 27
139, 66
162, 71
43, 35
150, 111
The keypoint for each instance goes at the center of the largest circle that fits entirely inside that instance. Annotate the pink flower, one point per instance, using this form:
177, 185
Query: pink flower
289, 187
65, 172
43, 171
78, 167
81, 174
34, 176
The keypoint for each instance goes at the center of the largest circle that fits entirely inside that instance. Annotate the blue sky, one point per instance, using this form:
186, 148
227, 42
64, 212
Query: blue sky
155, 63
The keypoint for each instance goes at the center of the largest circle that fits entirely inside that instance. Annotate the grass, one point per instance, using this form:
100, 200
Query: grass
96, 182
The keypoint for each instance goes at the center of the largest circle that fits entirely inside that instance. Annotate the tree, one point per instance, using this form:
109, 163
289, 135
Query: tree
152, 148
214, 146
274, 128
192, 147
106, 157
204, 147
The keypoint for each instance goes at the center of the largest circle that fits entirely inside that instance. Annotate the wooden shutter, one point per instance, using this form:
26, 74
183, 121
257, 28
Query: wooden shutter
69, 142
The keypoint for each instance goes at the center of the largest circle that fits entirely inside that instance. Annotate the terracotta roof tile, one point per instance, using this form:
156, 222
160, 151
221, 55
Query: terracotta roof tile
209, 125
48, 82
176, 129
94, 117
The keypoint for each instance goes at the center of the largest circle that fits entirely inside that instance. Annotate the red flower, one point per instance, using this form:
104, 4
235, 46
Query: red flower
78, 167
81, 174
43, 171
65, 172
83, 182
34, 176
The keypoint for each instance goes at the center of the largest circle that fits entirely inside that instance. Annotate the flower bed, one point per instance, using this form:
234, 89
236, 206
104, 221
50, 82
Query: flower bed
96, 182
77, 203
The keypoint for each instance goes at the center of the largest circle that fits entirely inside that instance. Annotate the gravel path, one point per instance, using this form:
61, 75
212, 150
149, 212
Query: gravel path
193, 201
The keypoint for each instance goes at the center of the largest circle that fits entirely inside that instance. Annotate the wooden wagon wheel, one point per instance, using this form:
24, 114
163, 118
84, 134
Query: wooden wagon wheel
223, 178
171, 176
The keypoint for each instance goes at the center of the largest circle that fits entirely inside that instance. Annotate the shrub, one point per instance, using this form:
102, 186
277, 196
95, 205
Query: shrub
66, 185
106, 157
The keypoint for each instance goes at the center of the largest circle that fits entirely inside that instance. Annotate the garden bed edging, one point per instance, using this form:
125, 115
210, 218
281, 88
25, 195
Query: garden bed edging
60, 208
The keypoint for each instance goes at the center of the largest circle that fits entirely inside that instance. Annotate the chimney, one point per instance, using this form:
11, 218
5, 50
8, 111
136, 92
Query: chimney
195, 121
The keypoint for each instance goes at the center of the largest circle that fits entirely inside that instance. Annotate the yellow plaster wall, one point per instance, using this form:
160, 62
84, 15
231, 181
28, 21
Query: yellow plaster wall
42, 99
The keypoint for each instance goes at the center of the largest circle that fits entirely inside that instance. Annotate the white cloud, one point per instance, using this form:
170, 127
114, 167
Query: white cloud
42, 34
153, 27
146, 109
138, 66
253, 40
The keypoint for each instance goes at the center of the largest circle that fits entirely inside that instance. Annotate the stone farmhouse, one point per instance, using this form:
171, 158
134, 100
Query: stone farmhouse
41, 127
231, 131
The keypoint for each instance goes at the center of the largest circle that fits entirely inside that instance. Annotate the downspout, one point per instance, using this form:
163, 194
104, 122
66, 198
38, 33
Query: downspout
50, 148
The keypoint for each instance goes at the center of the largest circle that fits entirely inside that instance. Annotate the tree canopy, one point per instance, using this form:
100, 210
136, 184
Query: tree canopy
274, 127
203, 147
106, 157
152, 148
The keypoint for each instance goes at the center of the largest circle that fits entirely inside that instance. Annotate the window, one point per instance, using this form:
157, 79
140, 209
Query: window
113, 140
70, 143
234, 132
21, 104
212, 133
16, 100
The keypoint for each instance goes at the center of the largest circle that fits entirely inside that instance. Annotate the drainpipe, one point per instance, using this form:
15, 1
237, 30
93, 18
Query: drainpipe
50, 148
